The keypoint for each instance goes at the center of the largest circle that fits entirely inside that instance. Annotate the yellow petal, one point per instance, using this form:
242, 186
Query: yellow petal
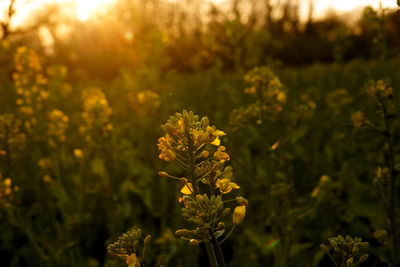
218, 133
216, 142
132, 260
234, 185
187, 189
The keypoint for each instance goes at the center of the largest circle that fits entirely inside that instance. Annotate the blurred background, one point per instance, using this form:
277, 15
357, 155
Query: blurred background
85, 85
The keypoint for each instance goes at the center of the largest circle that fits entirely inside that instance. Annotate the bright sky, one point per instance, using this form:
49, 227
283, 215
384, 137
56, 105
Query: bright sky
83, 9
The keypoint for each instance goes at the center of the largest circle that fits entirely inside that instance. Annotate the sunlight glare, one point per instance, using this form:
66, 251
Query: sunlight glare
87, 8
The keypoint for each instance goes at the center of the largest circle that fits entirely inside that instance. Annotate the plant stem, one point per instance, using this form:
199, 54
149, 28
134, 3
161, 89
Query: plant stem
211, 255
227, 235
220, 255
392, 188
332, 259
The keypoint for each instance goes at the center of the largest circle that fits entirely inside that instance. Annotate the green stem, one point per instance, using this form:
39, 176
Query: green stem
30, 235
211, 255
392, 188
332, 259
220, 255
228, 234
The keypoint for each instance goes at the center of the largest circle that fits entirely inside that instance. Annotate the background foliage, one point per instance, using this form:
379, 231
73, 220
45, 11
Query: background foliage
80, 115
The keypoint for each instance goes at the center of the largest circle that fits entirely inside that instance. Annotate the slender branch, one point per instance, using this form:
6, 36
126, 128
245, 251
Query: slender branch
228, 234
392, 186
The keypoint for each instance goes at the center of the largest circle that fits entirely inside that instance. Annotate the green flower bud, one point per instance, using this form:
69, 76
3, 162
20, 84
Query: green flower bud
221, 226
324, 248
182, 232
147, 240
226, 212
363, 258
163, 174
242, 201
349, 261
194, 242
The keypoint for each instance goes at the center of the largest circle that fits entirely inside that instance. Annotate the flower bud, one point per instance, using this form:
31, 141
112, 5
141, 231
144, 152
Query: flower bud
147, 240
163, 174
242, 201
221, 226
182, 232
194, 242
324, 248
238, 214
350, 261
363, 258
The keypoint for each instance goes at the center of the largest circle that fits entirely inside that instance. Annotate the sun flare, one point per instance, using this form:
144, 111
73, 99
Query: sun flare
85, 9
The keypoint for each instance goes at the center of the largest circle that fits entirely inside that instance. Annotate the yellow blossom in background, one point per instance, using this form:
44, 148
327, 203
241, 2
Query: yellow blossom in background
78, 153
380, 89
96, 113
45, 163
11, 134
358, 119
6, 189
58, 124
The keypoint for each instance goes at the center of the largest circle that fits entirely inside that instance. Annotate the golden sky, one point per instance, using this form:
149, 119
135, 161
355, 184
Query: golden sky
83, 9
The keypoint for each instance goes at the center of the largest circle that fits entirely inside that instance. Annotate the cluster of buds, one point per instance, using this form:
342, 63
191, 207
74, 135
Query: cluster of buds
267, 86
358, 119
270, 96
30, 84
350, 249
128, 246
57, 127
147, 100
196, 147
380, 89
11, 136
96, 113
6, 190
382, 94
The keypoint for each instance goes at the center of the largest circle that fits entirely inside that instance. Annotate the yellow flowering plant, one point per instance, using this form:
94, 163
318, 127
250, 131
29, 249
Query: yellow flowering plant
351, 250
382, 96
128, 247
195, 146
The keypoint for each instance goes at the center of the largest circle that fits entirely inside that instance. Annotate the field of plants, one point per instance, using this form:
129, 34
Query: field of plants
186, 133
